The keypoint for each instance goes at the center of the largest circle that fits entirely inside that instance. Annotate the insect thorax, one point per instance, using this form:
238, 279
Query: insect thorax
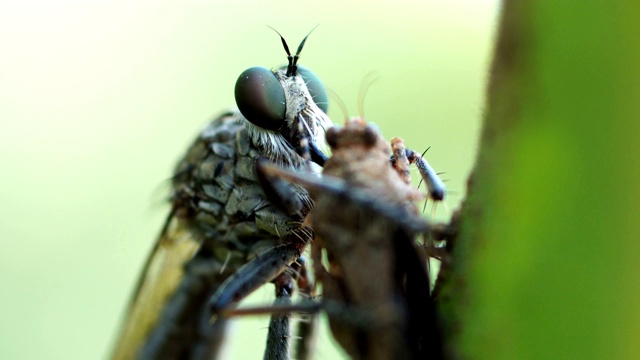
216, 190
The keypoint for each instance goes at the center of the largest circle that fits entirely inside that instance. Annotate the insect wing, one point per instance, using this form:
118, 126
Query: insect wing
162, 274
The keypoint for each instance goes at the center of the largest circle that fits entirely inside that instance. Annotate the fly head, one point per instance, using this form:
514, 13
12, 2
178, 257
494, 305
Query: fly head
284, 106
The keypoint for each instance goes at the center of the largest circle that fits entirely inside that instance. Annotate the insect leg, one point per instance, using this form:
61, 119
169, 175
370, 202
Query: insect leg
278, 344
279, 327
400, 162
256, 273
280, 193
272, 262
435, 186
423, 330
307, 324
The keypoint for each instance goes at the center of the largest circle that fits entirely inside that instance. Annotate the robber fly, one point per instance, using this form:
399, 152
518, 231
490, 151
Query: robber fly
376, 286
220, 217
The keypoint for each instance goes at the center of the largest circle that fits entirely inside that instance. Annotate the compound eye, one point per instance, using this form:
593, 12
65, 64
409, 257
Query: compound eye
331, 136
315, 87
260, 98
370, 136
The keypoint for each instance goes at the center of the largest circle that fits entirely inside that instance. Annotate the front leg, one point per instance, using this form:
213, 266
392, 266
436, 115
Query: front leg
257, 272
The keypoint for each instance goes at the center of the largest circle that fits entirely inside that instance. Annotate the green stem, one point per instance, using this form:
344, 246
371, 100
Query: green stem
546, 265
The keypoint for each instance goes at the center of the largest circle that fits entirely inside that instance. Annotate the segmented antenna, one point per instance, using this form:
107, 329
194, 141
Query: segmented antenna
292, 67
341, 104
368, 80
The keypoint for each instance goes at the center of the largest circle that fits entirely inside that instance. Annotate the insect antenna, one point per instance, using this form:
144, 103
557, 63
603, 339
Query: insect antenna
297, 55
341, 105
368, 80
292, 67
286, 48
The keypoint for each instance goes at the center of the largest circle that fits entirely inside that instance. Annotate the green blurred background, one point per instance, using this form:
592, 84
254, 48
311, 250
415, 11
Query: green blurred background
99, 100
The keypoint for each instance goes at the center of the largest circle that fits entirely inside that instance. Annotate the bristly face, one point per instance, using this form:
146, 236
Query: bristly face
283, 109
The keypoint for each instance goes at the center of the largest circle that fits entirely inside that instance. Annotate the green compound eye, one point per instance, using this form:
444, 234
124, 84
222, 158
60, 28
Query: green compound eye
260, 98
315, 87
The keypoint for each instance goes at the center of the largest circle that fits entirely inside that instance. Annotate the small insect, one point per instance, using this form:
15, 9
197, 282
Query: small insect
366, 220
220, 217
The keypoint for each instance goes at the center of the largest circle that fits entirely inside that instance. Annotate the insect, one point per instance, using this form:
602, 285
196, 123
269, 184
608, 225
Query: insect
220, 217
375, 287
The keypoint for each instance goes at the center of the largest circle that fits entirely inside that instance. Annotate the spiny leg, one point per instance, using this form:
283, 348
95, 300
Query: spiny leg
279, 325
269, 266
435, 186
278, 340
307, 324
254, 274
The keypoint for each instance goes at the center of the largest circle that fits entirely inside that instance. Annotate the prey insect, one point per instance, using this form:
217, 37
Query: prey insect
375, 285
220, 217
